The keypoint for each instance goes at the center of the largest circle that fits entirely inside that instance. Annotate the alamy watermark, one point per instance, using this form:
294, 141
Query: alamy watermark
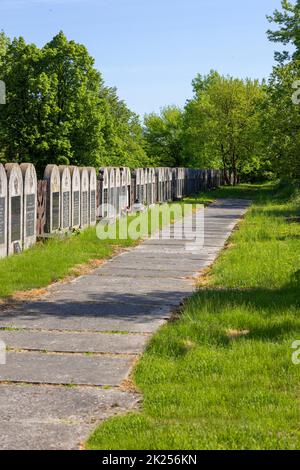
296, 353
2, 92
2, 353
182, 224
296, 94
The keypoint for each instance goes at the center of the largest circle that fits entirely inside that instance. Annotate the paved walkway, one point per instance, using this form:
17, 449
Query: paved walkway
70, 351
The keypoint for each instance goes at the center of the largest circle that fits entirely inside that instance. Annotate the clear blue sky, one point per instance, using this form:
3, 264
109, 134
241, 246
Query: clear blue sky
152, 49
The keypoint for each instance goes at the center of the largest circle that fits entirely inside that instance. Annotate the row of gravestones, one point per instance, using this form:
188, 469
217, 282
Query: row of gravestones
70, 203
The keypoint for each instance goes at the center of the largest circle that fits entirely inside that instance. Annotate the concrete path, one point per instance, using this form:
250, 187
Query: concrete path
70, 352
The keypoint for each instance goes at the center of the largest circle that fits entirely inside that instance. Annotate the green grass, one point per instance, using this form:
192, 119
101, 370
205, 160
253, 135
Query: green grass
203, 390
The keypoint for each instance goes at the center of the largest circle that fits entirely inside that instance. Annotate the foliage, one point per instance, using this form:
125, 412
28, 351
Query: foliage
58, 109
221, 124
288, 21
163, 136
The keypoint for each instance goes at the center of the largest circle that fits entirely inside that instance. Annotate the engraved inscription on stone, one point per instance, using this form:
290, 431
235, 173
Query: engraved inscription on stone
93, 206
2, 220
15, 218
76, 199
84, 205
55, 211
66, 209
30, 215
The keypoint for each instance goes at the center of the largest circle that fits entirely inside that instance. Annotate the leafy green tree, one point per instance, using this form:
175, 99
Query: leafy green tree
122, 133
222, 125
163, 136
59, 111
281, 123
288, 33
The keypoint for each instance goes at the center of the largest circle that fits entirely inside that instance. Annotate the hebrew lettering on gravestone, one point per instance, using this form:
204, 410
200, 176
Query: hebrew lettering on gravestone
2, 92
75, 196
52, 176
84, 197
65, 197
92, 195
3, 212
15, 208
29, 204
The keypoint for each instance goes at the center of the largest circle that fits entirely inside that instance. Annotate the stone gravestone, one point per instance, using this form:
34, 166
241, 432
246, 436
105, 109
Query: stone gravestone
117, 191
75, 196
104, 178
111, 198
65, 197
3, 212
15, 208
92, 196
84, 218
29, 204
52, 177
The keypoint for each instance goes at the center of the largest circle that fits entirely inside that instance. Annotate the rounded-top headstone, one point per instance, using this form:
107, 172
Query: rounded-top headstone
29, 204
15, 208
93, 195
65, 198
75, 196
52, 176
3, 212
84, 197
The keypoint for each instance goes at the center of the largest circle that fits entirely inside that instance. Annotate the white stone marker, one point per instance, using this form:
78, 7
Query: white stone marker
65, 197
53, 198
84, 219
75, 198
29, 204
92, 195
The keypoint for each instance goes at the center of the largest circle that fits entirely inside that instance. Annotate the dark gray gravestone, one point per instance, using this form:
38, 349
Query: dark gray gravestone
75, 196
29, 204
3, 212
15, 208
65, 190
84, 197
53, 198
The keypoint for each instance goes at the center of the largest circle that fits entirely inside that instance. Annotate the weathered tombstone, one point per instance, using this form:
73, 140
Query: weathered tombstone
112, 195
15, 208
84, 197
128, 183
3, 212
65, 197
123, 203
92, 195
75, 197
103, 207
117, 190
29, 204
52, 177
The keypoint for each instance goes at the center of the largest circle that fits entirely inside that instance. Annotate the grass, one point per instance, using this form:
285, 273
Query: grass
221, 376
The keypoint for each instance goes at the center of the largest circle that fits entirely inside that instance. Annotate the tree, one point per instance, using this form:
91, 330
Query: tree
281, 123
222, 124
163, 136
289, 31
59, 111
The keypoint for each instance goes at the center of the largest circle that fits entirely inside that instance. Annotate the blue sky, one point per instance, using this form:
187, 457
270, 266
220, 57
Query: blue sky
152, 49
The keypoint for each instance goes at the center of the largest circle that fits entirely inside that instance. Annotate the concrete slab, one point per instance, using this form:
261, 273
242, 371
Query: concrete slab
55, 418
74, 342
67, 369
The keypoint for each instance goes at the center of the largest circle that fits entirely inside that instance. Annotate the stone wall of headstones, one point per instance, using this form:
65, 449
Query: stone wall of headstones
71, 197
